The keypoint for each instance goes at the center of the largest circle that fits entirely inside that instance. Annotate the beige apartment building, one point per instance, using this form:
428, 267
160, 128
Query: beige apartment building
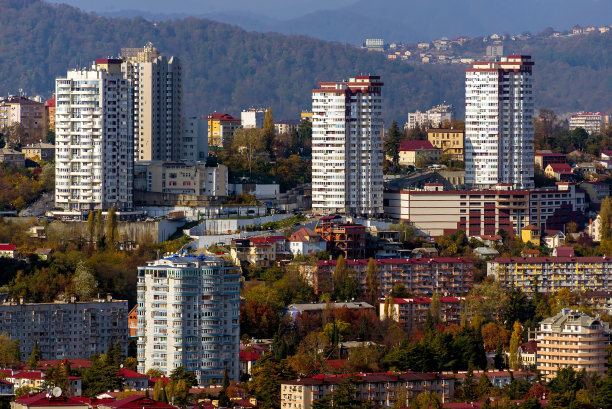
27, 112
449, 141
572, 339
157, 102
379, 388
39, 152
181, 178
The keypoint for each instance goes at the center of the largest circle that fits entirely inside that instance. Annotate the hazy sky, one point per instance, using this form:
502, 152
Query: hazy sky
273, 8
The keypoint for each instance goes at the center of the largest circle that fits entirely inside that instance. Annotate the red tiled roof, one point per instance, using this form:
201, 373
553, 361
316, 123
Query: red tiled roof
529, 347
128, 373
50, 102
29, 375
409, 145
2, 381
138, 402
537, 260
76, 363
8, 247
222, 117
395, 261
42, 400
561, 167
424, 300
606, 152
301, 234
247, 356
564, 251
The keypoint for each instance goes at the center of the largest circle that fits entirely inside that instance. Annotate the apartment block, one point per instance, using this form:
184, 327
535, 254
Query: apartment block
221, 129
94, 161
381, 389
188, 316
157, 103
432, 118
50, 113
27, 112
572, 339
449, 276
592, 122
499, 110
543, 159
195, 140
449, 141
411, 313
553, 273
347, 152
186, 178
66, 330
11, 157
436, 212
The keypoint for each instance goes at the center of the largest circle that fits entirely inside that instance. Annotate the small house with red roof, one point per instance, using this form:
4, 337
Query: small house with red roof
133, 379
247, 360
563, 251
221, 128
411, 152
561, 172
48, 401
306, 241
136, 402
8, 250
31, 379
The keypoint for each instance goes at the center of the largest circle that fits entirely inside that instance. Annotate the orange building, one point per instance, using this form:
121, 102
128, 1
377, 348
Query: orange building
133, 323
50, 113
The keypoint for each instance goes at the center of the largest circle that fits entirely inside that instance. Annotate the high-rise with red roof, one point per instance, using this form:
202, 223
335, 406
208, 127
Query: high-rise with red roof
347, 152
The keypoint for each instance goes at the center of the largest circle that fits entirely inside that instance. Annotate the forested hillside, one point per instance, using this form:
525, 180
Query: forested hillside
229, 69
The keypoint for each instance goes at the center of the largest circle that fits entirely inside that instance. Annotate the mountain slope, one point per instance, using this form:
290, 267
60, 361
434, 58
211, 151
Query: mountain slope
228, 69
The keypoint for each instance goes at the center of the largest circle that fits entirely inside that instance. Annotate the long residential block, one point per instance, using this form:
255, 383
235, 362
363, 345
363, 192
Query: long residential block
66, 330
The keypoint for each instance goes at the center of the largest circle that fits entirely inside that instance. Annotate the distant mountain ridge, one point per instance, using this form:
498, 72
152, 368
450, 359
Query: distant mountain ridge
227, 69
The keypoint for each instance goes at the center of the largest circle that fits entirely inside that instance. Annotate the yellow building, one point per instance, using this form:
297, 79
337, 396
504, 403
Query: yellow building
39, 151
411, 152
221, 128
531, 233
306, 115
450, 141
572, 339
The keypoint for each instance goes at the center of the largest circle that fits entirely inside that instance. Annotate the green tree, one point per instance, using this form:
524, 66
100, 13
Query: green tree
267, 376
181, 374
515, 342
435, 308
268, 129
469, 388
130, 363
34, 357
85, 284
343, 397
22, 391
372, 283
9, 349
111, 228
484, 386
224, 400
392, 143
606, 219
91, 227
101, 376
154, 373
158, 390
426, 400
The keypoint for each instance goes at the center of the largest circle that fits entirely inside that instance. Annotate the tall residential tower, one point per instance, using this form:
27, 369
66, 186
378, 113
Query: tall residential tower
347, 153
188, 316
157, 105
94, 159
498, 123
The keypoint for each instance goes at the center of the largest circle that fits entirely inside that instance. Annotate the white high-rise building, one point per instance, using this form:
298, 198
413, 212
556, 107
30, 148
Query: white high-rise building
498, 123
157, 105
94, 159
347, 152
432, 118
188, 316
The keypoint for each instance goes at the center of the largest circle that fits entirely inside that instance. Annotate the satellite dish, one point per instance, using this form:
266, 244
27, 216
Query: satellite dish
57, 392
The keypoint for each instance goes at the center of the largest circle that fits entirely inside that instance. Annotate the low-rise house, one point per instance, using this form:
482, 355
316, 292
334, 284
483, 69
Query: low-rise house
528, 352
6, 388
554, 238
306, 241
317, 308
531, 234
133, 379
563, 251
412, 152
486, 252
260, 252
247, 360
32, 379
348, 239
543, 159
39, 152
561, 172
8, 250
43, 253
11, 157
